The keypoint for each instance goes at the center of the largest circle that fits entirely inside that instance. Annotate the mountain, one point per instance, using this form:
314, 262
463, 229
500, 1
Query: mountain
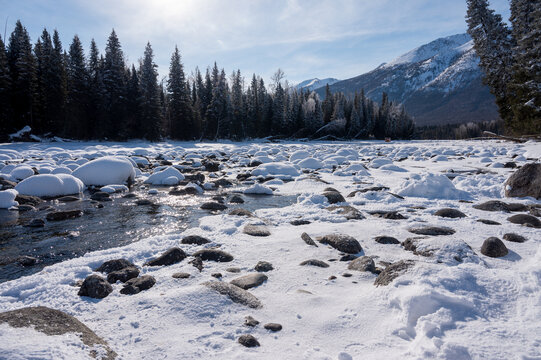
439, 83
314, 84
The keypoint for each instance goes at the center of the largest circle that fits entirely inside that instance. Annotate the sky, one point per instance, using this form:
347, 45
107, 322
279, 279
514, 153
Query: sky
305, 38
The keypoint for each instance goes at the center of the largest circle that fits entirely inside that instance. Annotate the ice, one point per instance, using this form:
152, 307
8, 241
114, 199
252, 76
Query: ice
50, 185
105, 171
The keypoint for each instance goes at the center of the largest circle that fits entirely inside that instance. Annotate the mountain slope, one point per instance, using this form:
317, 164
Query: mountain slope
314, 84
439, 83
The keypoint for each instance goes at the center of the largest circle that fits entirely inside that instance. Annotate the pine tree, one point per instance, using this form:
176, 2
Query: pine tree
96, 113
23, 77
56, 89
5, 86
380, 126
114, 89
78, 88
238, 115
180, 107
151, 115
133, 98
278, 111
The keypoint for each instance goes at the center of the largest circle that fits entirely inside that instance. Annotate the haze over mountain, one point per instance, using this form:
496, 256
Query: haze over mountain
439, 83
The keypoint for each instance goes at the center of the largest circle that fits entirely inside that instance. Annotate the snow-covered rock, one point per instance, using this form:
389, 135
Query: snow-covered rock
431, 186
22, 172
168, 176
276, 169
50, 185
258, 189
311, 164
7, 198
105, 171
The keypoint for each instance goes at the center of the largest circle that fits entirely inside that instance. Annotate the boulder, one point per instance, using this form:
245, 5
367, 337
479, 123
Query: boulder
342, 242
349, 212
235, 293
525, 219
256, 230
263, 266
95, 287
488, 222
64, 215
26, 260
497, 205
181, 275
494, 247
241, 212
300, 222
248, 341
364, 263
386, 240
450, 213
315, 262
526, 181
334, 197
249, 281
136, 285
431, 230
514, 238
213, 255
123, 275
273, 327
213, 206
392, 271
114, 265
308, 240
250, 321
170, 257
195, 240
35, 223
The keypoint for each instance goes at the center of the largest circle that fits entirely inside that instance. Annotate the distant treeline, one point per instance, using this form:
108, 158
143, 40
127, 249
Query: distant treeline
69, 94
458, 131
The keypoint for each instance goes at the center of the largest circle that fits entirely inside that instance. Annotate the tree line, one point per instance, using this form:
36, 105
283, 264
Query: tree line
511, 60
66, 93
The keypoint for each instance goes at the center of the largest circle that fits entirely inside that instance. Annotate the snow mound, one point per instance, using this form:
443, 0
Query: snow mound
311, 163
276, 169
353, 169
7, 199
50, 185
431, 186
22, 172
392, 167
299, 155
167, 176
114, 188
258, 189
105, 171
379, 162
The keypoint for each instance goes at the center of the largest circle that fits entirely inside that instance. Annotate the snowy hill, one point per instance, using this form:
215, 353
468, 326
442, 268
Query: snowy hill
439, 82
314, 84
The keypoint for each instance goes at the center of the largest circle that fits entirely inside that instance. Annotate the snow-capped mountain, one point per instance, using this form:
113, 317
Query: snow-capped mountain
439, 83
314, 84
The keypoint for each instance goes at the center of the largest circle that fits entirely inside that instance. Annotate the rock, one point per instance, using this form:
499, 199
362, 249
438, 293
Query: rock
213, 255
222, 182
364, 263
55, 322
213, 206
256, 230
488, 222
23, 208
263, 266
346, 275
342, 242
28, 199
248, 341
386, 240
236, 199
6, 184
315, 262
197, 263
300, 222
332, 277
494, 247
143, 202
431, 230
234, 270
525, 219
123, 275
64, 215
95, 287
349, 212
170, 257
114, 265
450, 213
514, 238
100, 196
510, 165
308, 240
389, 215
181, 275
273, 327
195, 240
136, 285
392, 271
235, 293
129, 196
348, 257
334, 197
241, 212
410, 244
526, 181
250, 321
211, 166
249, 281
216, 275
26, 260
35, 223
195, 178
497, 205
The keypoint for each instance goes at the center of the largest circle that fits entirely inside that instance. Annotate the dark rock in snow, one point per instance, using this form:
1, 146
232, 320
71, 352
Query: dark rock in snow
263, 266
216, 275
389, 215
64, 215
450, 213
250, 321
248, 341
27, 199
386, 240
195, 240
197, 263
494, 247
514, 238
170, 257
349, 212
6, 184
315, 262
35, 223
431, 230
235, 293
526, 181
308, 240
213, 206
236, 199
26, 260
211, 166
123, 275
348, 257
300, 222
497, 205
364, 263
55, 322
249, 281
342, 242
181, 275
95, 287
213, 255
234, 270
114, 265
241, 212
334, 197
256, 230
392, 271
273, 327
136, 285
488, 222
525, 219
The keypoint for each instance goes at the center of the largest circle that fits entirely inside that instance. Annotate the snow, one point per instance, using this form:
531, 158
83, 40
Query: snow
7, 199
21, 172
311, 164
442, 308
114, 188
50, 185
105, 171
167, 176
258, 189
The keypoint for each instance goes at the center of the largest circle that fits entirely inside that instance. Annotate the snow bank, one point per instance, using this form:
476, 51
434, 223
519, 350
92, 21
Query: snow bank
276, 169
431, 186
7, 199
167, 176
105, 171
50, 185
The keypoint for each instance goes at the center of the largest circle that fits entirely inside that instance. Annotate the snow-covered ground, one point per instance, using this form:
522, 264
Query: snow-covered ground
454, 304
